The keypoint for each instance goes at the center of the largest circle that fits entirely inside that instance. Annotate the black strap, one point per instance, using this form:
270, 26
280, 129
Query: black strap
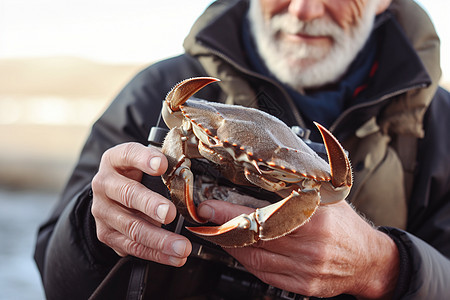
138, 280
127, 267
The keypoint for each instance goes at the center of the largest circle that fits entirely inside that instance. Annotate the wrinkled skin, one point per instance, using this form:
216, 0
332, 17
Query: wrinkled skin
128, 215
328, 256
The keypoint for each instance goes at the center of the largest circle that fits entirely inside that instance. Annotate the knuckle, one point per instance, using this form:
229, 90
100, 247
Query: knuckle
98, 208
95, 211
155, 255
127, 192
106, 156
133, 229
129, 152
97, 183
121, 155
149, 237
134, 248
256, 260
139, 250
150, 206
161, 243
311, 287
320, 255
103, 235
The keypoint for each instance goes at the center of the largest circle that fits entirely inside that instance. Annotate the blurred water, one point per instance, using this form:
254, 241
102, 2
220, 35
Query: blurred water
21, 212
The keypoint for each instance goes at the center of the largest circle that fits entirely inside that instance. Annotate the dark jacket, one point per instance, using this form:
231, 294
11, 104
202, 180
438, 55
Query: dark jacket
73, 263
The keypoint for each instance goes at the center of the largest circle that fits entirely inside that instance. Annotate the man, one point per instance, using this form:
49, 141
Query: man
348, 65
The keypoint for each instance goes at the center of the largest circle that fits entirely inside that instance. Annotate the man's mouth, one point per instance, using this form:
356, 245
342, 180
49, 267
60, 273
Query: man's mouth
306, 38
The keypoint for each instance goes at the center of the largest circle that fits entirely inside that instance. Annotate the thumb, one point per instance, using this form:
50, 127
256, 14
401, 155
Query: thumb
219, 212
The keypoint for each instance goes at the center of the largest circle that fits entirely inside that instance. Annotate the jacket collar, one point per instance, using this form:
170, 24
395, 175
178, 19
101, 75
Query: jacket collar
219, 29
399, 70
399, 66
218, 32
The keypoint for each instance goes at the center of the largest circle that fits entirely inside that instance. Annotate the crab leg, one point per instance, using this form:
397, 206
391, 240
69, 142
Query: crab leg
267, 223
178, 177
238, 232
182, 191
281, 218
260, 181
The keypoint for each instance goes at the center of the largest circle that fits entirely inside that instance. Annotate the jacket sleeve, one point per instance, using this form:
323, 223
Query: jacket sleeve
71, 260
426, 244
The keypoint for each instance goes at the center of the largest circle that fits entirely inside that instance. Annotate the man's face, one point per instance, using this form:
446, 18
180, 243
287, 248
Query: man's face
309, 43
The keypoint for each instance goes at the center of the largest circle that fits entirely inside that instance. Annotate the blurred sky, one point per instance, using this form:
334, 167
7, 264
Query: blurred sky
122, 31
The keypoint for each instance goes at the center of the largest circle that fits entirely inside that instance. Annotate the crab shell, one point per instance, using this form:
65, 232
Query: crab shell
250, 147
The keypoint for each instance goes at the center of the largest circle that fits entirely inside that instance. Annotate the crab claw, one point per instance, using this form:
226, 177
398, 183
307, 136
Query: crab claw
341, 171
178, 95
267, 223
238, 232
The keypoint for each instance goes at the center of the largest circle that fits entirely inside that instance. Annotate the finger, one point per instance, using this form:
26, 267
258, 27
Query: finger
130, 247
261, 260
143, 238
274, 269
136, 156
298, 282
220, 212
134, 195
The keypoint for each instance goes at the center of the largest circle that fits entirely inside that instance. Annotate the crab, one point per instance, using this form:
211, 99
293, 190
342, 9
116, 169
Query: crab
251, 148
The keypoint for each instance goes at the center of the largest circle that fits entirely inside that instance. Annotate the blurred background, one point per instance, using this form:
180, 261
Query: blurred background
61, 63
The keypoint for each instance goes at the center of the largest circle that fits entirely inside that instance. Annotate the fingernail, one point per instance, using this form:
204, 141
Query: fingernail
179, 247
161, 211
155, 162
206, 212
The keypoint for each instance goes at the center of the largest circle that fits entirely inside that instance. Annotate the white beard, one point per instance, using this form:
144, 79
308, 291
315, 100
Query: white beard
304, 65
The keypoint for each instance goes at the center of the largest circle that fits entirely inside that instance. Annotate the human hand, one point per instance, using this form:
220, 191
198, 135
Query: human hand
128, 215
336, 252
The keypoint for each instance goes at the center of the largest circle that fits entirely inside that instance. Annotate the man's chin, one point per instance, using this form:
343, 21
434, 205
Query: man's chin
306, 73
304, 64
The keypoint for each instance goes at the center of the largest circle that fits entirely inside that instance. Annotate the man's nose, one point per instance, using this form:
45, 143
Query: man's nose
306, 10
